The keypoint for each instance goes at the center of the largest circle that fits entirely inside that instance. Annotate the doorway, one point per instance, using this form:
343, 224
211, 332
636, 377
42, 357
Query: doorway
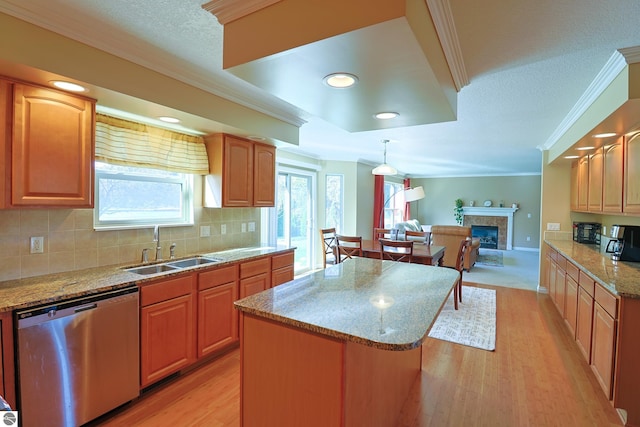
294, 215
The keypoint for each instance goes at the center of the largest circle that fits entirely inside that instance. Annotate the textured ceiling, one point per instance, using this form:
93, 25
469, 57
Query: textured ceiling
528, 64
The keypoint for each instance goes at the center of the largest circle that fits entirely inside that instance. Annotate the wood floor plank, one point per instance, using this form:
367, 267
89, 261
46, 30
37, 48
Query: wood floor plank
535, 377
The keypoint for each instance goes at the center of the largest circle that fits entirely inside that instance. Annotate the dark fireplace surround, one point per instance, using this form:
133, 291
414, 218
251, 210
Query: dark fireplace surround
500, 222
487, 234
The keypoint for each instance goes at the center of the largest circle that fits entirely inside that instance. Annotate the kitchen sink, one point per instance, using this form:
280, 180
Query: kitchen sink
192, 262
172, 265
152, 269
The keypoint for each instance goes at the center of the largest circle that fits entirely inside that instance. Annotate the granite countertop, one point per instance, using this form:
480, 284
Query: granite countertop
343, 301
619, 277
32, 291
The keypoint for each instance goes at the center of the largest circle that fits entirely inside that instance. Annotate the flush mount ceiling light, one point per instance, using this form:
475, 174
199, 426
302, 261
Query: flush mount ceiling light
340, 80
571, 157
168, 119
604, 135
385, 169
385, 115
584, 148
256, 138
72, 87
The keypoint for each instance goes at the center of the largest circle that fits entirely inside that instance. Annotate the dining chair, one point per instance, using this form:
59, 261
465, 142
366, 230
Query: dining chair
328, 239
396, 250
348, 247
457, 289
382, 233
418, 236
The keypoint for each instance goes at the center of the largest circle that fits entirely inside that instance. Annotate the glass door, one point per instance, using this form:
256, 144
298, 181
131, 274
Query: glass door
294, 206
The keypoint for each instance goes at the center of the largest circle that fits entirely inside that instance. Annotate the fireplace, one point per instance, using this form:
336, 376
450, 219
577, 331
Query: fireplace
496, 217
487, 234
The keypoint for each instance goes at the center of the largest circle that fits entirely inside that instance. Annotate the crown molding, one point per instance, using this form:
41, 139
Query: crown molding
614, 66
442, 16
230, 10
631, 54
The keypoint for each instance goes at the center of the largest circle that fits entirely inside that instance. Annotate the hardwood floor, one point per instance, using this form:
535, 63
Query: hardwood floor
535, 377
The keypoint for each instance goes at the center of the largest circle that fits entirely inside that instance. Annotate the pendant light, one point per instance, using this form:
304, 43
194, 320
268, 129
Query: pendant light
384, 169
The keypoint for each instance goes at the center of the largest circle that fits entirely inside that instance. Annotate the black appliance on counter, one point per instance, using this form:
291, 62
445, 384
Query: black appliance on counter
625, 243
587, 232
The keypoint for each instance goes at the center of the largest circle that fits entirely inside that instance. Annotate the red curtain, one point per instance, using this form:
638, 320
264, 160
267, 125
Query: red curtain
378, 200
407, 206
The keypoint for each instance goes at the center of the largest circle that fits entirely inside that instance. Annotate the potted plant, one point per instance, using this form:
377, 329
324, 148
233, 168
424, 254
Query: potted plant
457, 211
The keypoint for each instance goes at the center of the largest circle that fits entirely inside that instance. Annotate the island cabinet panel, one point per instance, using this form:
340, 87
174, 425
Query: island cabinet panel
612, 177
7, 372
282, 268
167, 333
596, 171
255, 276
52, 152
604, 338
631, 199
264, 194
6, 100
241, 173
217, 319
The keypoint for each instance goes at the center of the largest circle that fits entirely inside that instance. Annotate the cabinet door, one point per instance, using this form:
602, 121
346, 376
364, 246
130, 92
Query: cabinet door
583, 183
561, 278
612, 178
604, 335
571, 305
574, 186
217, 319
166, 338
595, 181
52, 149
583, 323
264, 176
282, 275
7, 373
553, 271
631, 187
6, 90
253, 285
237, 178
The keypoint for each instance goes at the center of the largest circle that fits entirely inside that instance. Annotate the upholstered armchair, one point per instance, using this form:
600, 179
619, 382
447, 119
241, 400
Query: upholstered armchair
450, 236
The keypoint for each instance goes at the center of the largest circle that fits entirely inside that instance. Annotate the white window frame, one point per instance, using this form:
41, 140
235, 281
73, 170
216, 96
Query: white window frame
183, 179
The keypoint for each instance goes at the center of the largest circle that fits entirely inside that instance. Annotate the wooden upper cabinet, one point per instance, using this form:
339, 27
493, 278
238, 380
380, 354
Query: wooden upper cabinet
583, 183
52, 148
596, 168
6, 90
631, 188
242, 173
264, 175
612, 177
574, 186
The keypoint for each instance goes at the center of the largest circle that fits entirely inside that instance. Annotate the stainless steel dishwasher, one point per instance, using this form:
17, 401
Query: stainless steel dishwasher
78, 359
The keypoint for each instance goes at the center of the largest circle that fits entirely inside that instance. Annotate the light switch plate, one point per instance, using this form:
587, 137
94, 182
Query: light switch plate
244, 227
252, 226
205, 231
223, 229
553, 226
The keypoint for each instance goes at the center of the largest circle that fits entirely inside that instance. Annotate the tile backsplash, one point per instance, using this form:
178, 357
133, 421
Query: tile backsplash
71, 243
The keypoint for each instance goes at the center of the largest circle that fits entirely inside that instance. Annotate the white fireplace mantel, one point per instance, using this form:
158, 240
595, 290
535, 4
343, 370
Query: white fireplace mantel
482, 211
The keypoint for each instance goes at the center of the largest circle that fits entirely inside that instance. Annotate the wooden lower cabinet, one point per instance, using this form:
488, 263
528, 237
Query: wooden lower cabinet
603, 348
217, 318
282, 268
167, 338
584, 317
7, 372
571, 305
255, 276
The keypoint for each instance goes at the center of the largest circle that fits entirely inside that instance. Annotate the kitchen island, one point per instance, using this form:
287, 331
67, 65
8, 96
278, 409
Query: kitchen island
341, 346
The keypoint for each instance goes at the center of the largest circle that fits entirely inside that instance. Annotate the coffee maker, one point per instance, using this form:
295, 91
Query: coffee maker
625, 243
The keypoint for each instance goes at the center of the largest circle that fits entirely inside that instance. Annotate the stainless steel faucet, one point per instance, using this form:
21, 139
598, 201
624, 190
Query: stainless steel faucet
156, 238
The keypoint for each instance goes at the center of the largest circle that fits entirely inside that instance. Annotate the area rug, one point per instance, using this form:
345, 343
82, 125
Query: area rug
488, 257
473, 324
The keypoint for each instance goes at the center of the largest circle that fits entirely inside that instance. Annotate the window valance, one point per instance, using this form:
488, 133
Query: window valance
129, 143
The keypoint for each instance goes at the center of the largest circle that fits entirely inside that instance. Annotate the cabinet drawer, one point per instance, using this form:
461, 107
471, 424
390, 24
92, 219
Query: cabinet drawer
586, 282
165, 290
252, 268
607, 301
572, 271
281, 260
561, 261
217, 277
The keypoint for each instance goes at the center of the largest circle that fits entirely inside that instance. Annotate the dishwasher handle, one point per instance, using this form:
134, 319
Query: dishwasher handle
86, 307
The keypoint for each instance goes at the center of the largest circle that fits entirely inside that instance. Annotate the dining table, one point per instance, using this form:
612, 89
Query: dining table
422, 252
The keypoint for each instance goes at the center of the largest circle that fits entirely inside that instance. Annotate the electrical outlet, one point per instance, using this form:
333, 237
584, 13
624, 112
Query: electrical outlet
205, 231
553, 226
223, 229
37, 245
252, 226
244, 227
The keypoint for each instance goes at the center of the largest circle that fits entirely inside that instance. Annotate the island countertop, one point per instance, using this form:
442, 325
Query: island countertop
383, 304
